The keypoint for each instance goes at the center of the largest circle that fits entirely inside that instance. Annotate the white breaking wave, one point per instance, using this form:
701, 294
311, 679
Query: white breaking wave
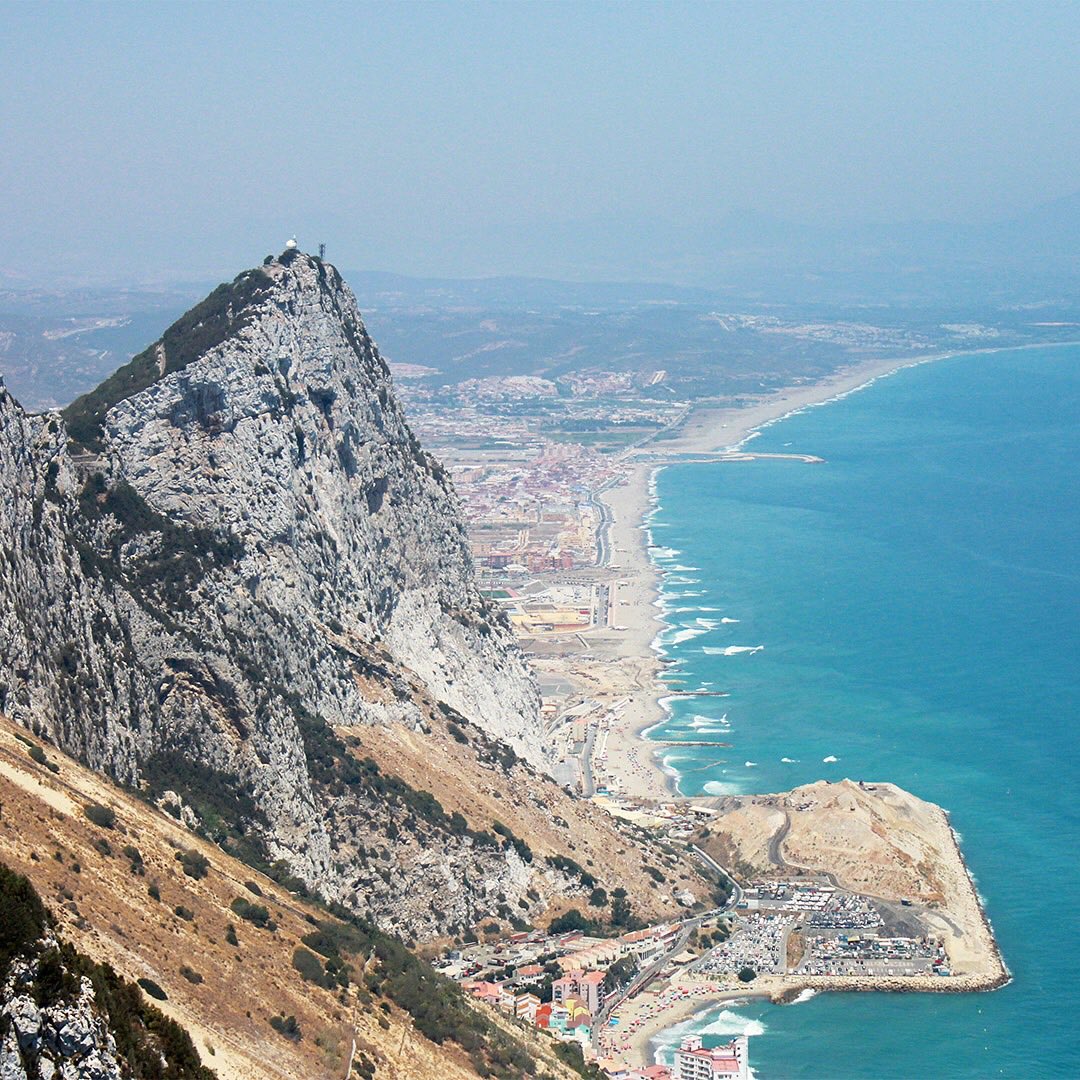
719, 787
686, 569
731, 650
698, 722
726, 621
804, 995
731, 1023
666, 553
830, 759
709, 624
686, 634
790, 760
725, 1023
750, 764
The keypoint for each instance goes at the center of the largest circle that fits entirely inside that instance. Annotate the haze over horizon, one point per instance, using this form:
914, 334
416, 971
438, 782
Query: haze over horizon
172, 142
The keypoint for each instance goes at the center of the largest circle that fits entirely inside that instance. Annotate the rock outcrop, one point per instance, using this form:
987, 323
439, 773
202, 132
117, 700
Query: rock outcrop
232, 548
68, 1039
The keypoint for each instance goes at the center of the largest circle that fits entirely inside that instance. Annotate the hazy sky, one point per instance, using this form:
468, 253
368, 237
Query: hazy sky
164, 139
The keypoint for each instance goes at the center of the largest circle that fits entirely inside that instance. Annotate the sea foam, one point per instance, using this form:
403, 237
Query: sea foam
727, 1023
731, 650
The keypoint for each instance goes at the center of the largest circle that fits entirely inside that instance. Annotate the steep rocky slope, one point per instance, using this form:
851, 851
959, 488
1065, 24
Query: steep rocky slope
144, 895
232, 560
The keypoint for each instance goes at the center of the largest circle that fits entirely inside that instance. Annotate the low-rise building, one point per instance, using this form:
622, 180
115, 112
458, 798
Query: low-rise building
525, 1007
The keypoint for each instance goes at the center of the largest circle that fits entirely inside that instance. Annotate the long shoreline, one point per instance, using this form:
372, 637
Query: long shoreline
714, 429
708, 429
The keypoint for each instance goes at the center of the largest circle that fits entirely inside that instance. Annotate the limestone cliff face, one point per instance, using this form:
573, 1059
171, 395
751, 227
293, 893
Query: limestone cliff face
288, 435
245, 549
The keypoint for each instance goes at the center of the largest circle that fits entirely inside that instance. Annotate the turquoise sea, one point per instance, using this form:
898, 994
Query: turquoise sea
908, 611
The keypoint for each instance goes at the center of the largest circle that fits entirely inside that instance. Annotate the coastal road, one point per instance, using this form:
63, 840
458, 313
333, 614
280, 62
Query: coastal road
776, 840
736, 889
588, 788
646, 975
603, 543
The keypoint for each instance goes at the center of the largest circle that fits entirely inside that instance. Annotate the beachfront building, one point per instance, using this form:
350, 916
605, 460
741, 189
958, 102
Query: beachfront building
728, 1062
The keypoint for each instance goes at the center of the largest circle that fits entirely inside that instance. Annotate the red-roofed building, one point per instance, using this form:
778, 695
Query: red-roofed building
591, 989
563, 988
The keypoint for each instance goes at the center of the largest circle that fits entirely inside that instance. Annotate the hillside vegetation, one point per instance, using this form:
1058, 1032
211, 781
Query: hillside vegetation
267, 984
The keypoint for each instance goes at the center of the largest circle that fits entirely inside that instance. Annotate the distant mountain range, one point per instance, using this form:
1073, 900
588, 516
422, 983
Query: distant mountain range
1027, 259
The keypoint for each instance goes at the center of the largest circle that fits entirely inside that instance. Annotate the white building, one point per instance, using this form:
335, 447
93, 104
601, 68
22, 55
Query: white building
694, 1062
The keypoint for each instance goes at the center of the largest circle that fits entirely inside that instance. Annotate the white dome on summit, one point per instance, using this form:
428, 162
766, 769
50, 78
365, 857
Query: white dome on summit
291, 245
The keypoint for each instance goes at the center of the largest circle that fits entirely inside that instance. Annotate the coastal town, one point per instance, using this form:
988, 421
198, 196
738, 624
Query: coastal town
610, 995
556, 533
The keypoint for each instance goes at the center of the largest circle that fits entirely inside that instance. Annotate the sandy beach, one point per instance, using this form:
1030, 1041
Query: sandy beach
635, 664
623, 670
629, 674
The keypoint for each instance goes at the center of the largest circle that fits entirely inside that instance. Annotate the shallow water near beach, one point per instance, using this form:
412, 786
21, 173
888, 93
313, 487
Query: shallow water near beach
907, 611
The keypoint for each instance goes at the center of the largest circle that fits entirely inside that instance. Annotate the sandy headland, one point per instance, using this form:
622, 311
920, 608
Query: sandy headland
875, 840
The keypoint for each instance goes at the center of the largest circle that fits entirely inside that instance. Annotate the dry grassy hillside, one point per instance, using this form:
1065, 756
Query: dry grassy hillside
875, 838
538, 811
99, 881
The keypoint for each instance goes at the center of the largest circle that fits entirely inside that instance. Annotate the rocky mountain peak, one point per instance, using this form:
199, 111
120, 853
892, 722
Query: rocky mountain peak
235, 547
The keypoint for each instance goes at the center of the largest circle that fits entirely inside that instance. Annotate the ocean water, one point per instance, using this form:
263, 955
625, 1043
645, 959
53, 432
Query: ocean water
907, 611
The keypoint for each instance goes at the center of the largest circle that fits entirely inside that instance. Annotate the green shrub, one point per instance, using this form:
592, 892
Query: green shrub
38, 755
195, 864
311, 969
572, 921
153, 989
256, 914
287, 1026
104, 816
571, 869
24, 917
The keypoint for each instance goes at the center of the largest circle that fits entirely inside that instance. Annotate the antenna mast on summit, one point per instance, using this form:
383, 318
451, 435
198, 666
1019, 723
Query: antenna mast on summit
322, 252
